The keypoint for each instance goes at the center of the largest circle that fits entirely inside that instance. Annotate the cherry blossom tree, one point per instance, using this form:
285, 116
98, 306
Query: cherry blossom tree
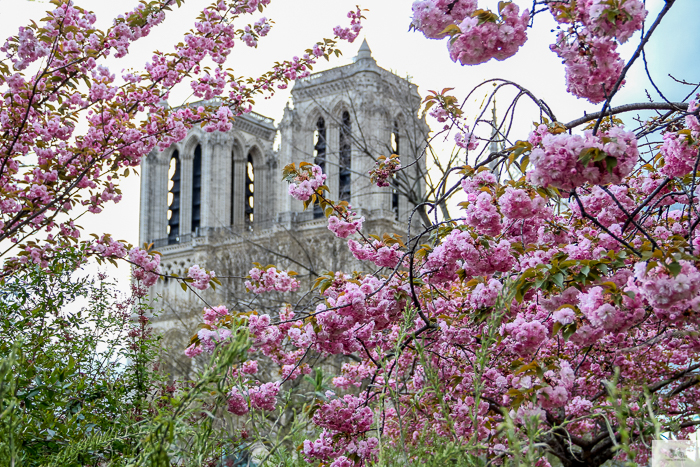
555, 317
55, 78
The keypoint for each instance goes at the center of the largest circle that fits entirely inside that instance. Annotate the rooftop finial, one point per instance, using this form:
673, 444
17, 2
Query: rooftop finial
364, 51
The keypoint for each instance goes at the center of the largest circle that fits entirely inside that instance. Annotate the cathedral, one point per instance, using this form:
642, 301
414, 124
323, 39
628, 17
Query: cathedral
218, 199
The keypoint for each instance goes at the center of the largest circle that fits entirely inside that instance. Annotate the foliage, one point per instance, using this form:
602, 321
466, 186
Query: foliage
79, 383
556, 318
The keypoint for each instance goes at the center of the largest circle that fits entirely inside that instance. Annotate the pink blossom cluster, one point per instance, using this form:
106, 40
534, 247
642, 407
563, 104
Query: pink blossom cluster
475, 184
107, 247
466, 140
680, 153
259, 29
209, 338
237, 403
609, 207
670, 294
212, 315
270, 279
146, 266
306, 183
440, 114
477, 35
558, 159
350, 33
604, 314
619, 18
382, 255
519, 204
461, 250
593, 65
589, 47
384, 169
527, 335
431, 17
345, 415
483, 215
264, 397
481, 39
200, 277
345, 224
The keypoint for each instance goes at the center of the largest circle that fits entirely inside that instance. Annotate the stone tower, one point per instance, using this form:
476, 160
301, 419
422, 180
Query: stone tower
217, 199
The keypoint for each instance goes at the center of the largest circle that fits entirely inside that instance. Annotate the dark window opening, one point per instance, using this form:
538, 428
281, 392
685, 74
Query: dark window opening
233, 192
345, 158
395, 203
395, 148
320, 156
197, 189
174, 199
249, 191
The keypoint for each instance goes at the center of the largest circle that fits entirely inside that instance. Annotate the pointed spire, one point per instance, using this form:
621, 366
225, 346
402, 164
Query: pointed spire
364, 51
494, 129
494, 146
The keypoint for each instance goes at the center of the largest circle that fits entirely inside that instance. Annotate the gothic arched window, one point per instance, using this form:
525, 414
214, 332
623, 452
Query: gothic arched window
345, 159
174, 199
320, 155
249, 191
395, 148
233, 185
197, 188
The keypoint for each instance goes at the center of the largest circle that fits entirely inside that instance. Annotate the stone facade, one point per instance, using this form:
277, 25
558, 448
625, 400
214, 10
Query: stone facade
196, 195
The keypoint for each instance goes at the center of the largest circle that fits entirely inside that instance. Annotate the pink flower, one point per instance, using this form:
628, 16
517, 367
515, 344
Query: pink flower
592, 63
146, 267
250, 367
564, 316
560, 159
201, 277
483, 215
212, 315
480, 41
267, 280
237, 404
264, 397
342, 228
306, 183
679, 154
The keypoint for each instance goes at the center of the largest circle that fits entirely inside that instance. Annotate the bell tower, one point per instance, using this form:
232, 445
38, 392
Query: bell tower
343, 119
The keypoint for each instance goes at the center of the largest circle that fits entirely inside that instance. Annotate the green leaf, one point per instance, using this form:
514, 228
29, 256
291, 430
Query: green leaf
558, 279
555, 328
610, 163
674, 268
569, 331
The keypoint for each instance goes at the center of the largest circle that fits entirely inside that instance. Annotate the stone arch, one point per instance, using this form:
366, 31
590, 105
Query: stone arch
194, 138
338, 106
238, 146
312, 117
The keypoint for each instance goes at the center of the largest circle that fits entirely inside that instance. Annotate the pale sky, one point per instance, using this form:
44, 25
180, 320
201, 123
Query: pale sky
301, 23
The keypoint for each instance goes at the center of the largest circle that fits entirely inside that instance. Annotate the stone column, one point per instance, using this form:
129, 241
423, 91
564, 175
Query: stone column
240, 162
186, 192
